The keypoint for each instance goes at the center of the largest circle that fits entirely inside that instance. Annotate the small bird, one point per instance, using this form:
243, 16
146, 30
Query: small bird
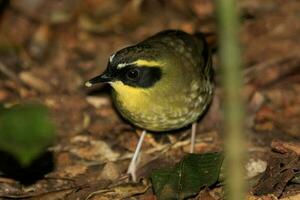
161, 84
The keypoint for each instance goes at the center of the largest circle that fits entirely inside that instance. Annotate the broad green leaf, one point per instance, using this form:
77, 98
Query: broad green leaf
187, 177
25, 131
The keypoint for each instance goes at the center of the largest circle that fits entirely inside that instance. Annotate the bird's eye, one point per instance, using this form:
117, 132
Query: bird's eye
132, 74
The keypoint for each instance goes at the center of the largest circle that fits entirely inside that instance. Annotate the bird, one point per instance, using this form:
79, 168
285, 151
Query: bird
160, 84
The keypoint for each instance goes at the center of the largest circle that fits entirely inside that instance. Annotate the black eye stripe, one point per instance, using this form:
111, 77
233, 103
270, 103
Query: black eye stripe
122, 71
147, 76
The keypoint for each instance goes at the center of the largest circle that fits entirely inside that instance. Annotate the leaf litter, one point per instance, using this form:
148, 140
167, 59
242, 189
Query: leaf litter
56, 51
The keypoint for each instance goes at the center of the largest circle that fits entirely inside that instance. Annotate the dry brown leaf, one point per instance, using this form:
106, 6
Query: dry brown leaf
40, 41
285, 147
280, 170
266, 197
292, 197
110, 171
73, 170
89, 149
255, 167
204, 195
98, 101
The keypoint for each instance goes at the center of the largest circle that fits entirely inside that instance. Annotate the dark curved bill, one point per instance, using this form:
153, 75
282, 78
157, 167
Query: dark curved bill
103, 78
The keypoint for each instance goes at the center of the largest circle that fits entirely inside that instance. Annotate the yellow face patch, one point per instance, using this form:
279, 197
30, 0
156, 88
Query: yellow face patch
132, 96
121, 88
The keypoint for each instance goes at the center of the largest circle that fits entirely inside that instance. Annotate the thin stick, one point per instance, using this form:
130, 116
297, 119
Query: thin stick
230, 58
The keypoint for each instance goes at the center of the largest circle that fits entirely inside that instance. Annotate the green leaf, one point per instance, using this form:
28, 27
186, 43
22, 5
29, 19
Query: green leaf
25, 131
187, 177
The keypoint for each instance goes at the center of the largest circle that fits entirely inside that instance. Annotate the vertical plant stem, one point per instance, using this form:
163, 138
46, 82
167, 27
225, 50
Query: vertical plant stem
230, 57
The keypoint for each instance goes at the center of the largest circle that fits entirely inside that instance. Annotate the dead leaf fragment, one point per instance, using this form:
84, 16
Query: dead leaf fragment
265, 197
98, 102
90, 149
40, 41
292, 197
205, 195
281, 169
255, 167
74, 170
3, 95
110, 171
285, 147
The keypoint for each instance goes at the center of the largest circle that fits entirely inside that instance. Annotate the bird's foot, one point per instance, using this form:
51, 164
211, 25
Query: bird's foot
131, 172
193, 137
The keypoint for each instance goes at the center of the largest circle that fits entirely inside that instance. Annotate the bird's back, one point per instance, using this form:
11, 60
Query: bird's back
191, 50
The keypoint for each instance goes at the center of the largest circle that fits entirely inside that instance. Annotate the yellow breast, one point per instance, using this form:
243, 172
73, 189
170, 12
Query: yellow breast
155, 111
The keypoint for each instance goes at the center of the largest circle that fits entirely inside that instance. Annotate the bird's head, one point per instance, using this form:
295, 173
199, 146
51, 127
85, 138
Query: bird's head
133, 69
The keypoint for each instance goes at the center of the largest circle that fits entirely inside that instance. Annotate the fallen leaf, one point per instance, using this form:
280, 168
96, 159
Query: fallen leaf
292, 197
25, 131
110, 171
98, 102
266, 197
285, 147
205, 195
281, 169
92, 149
74, 170
188, 176
255, 167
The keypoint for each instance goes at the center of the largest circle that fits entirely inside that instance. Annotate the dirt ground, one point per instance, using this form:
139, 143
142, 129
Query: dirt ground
48, 49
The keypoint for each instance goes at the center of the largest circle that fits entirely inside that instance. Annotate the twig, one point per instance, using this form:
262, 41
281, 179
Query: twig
251, 73
9, 73
24, 196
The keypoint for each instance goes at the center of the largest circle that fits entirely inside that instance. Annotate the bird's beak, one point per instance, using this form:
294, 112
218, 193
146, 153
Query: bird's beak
103, 78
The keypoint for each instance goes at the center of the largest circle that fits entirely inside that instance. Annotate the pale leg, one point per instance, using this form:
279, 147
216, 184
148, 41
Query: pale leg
133, 164
193, 137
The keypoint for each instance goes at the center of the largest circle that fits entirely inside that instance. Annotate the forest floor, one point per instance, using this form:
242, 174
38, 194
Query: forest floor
48, 49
